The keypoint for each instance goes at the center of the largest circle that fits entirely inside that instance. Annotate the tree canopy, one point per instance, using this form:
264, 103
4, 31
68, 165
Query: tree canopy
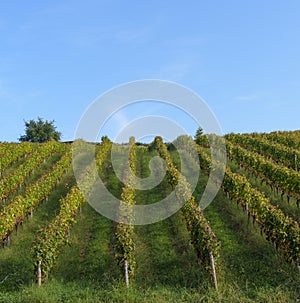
40, 131
200, 138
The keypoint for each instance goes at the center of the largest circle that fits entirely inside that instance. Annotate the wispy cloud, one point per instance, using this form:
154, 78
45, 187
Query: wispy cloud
91, 36
184, 58
131, 35
185, 44
247, 98
87, 35
175, 71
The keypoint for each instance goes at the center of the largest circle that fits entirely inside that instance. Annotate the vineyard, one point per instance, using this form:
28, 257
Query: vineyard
244, 247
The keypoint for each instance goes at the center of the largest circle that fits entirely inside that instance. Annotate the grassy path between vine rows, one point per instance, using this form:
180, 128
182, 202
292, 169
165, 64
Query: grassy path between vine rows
10, 168
250, 270
249, 263
13, 166
167, 269
89, 259
34, 176
165, 257
16, 264
289, 208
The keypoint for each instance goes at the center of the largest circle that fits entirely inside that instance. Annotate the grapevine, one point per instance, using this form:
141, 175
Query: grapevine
125, 231
14, 180
278, 176
278, 152
203, 238
283, 231
13, 214
53, 237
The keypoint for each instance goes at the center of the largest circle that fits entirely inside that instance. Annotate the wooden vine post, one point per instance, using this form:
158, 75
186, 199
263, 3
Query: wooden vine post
125, 229
259, 205
213, 268
126, 273
8, 240
204, 240
39, 273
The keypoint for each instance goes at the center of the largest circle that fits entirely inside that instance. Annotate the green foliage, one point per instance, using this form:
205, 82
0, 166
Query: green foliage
40, 131
283, 231
125, 231
202, 237
200, 138
53, 237
278, 176
287, 138
16, 178
14, 213
13, 152
250, 269
104, 138
280, 153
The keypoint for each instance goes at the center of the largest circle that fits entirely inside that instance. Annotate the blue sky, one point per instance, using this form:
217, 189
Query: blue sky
241, 57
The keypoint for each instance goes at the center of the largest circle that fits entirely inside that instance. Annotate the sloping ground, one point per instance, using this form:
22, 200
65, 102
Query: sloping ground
250, 269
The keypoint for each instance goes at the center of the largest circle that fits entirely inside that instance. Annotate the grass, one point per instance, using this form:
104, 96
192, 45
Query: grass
34, 176
288, 207
16, 265
247, 259
250, 270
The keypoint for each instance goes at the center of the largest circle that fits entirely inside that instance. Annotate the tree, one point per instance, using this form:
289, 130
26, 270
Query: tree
105, 138
200, 138
40, 131
199, 132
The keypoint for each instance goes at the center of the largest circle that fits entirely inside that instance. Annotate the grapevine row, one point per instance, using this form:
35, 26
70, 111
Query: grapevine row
53, 237
13, 152
283, 231
290, 139
279, 153
17, 177
203, 238
125, 231
276, 175
22, 205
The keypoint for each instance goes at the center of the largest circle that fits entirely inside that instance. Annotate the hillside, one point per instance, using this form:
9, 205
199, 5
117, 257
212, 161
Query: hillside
251, 228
